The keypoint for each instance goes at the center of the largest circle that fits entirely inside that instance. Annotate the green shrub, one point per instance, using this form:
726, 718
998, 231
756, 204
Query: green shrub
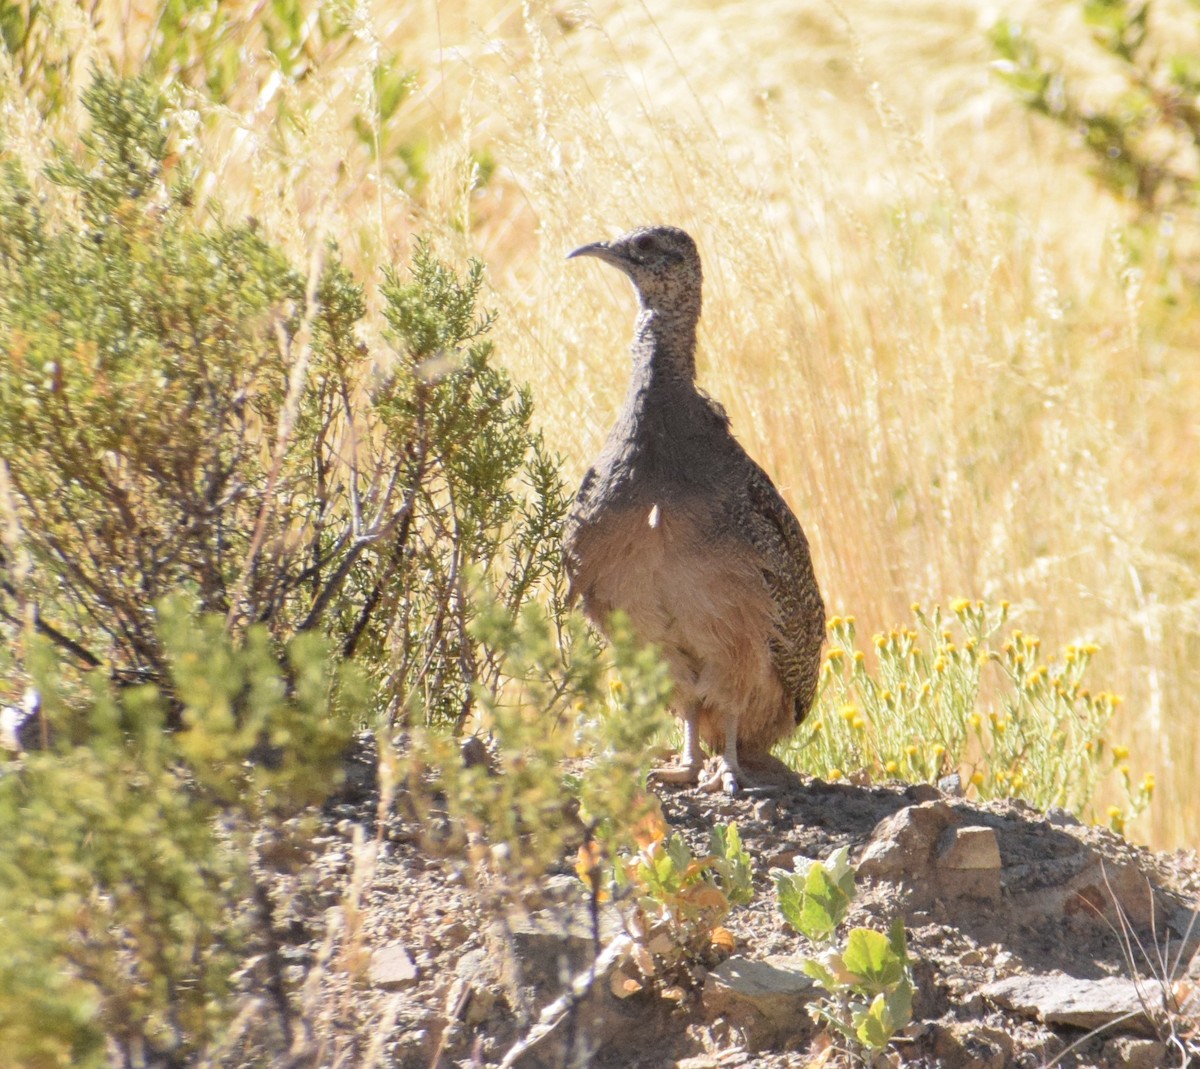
128, 863
184, 415
572, 749
1144, 137
181, 409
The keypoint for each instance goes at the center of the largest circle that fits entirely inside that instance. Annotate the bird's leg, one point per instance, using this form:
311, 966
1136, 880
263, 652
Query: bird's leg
688, 770
726, 772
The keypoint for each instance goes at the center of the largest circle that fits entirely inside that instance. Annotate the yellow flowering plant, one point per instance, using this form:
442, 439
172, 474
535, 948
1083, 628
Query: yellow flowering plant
958, 692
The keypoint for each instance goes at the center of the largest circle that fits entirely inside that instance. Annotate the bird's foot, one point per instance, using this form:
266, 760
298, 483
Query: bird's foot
724, 776
684, 774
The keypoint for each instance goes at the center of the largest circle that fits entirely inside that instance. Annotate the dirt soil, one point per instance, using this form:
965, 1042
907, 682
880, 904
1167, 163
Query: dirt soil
1010, 945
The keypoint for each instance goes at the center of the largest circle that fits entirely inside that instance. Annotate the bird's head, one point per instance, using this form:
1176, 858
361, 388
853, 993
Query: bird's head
662, 262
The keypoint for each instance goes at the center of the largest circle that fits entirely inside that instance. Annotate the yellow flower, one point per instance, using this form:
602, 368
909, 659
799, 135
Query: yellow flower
915, 608
859, 724
880, 641
1120, 753
959, 605
977, 779
1000, 726
975, 720
848, 711
892, 767
912, 751
834, 623
858, 657
615, 686
835, 654
819, 725
1148, 784
835, 774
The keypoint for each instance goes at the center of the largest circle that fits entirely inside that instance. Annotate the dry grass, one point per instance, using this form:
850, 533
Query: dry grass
918, 309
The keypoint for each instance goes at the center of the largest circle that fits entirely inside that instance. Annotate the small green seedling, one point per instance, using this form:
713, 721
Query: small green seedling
869, 979
815, 897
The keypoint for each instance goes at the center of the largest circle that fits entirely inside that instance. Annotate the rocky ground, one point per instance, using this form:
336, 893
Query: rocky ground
1036, 941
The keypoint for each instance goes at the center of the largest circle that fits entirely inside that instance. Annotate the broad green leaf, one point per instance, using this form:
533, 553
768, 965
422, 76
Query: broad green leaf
869, 955
814, 968
900, 1002
874, 1026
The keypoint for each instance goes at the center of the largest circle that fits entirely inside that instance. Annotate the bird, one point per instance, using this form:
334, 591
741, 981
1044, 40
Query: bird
677, 527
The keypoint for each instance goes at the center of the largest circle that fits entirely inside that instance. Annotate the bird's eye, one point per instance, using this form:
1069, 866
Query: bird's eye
644, 243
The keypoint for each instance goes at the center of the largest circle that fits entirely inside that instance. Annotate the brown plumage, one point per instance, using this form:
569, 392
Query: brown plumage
679, 528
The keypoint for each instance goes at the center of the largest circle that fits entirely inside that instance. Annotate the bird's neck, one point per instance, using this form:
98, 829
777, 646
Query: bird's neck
664, 351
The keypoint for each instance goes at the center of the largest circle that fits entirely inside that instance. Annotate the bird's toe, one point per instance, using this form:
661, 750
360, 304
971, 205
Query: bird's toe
721, 777
680, 775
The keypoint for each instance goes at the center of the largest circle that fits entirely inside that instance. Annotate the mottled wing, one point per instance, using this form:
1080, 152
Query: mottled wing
571, 531
788, 571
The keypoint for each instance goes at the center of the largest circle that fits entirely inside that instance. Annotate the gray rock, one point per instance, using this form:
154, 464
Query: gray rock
585, 1019
474, 992
545, 949
1062, 818
922, 792
1056, 999
969, 1043
766, 810
1126, 1052
969, 848
969, 863
392, 969
902, 849
766, 1000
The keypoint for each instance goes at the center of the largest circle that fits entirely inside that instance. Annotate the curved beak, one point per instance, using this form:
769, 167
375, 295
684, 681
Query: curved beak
602, 250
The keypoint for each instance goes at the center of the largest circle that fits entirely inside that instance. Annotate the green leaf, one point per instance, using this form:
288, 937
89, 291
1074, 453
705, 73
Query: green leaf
871, 957
822, 971
899, 1002
732, 864
874, 1026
